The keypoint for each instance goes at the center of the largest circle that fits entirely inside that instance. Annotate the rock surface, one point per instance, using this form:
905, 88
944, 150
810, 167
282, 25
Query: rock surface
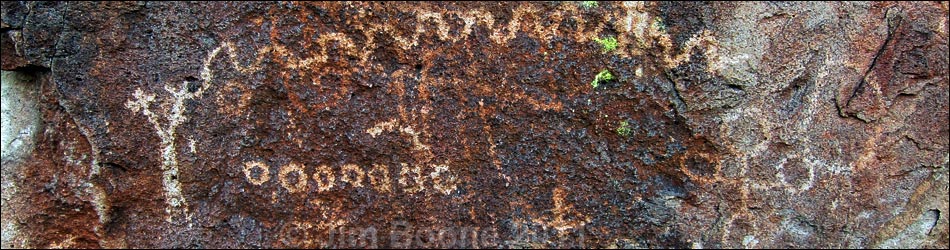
310, 125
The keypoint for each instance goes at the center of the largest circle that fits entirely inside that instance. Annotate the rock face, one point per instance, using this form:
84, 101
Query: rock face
475, 124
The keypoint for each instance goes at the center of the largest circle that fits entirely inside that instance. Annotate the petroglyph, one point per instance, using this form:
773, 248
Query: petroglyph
174, 116
323, 177
293, 178
415, 173
352, 175
561, 212
379, 178
381, 127
443, 180
391, 126
293, 187
263, 175
640, 28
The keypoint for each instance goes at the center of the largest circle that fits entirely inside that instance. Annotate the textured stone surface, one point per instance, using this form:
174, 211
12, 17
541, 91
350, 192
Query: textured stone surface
21, 122
429, 124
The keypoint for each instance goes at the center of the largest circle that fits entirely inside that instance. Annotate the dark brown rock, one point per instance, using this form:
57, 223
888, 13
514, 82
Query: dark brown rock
429, 124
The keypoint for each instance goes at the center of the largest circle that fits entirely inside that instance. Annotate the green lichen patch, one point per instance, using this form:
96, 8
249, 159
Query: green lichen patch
588, 4
603, 76
624, 129
608, 44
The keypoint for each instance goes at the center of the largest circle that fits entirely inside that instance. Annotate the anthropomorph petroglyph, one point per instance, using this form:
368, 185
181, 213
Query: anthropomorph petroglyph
174, 115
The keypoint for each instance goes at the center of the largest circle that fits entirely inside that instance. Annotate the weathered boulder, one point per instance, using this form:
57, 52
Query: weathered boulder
574, 124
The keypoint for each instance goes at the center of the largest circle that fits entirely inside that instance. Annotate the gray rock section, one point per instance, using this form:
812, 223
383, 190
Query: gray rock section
21, 123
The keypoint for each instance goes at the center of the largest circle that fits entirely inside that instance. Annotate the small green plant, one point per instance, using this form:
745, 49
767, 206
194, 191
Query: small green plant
624, 129
609, 43
603, 76
589, 4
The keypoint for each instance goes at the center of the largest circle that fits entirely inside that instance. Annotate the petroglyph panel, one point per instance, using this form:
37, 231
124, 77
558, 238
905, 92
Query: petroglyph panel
380, 124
